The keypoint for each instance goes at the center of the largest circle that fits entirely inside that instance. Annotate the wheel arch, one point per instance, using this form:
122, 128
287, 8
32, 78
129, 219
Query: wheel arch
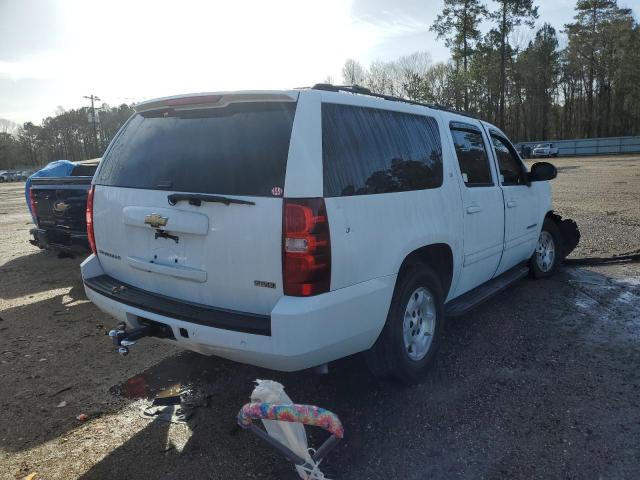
438, 256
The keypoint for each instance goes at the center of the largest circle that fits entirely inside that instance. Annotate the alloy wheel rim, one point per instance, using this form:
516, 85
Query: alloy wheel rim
545, 252
419, 323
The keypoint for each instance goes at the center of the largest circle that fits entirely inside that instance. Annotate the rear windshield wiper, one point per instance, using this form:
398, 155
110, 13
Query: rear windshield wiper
198, 198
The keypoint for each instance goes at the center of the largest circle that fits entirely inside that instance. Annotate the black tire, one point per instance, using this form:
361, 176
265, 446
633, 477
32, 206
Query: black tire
537, 269
389, 356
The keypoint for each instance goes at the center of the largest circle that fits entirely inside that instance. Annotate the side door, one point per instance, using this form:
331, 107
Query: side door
482, 204
521, 212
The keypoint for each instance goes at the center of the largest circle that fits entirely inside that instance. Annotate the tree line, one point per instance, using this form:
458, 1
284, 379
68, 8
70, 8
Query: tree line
67, 135
533, 90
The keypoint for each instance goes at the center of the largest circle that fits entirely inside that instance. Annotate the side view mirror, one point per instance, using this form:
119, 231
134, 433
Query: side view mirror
542, 171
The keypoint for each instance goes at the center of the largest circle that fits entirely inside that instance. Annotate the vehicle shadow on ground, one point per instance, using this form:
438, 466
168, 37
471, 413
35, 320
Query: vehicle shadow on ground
38, 272
53, 350
40, 347
520, 389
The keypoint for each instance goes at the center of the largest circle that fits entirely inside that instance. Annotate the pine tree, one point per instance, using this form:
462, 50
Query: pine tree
510, 14
459, 24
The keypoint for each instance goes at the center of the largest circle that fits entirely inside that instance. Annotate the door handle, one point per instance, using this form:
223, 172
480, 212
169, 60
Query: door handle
511, 203
474, 209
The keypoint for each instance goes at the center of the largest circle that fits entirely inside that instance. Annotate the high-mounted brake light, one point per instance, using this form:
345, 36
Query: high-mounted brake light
195, 100
306, 245
89, 218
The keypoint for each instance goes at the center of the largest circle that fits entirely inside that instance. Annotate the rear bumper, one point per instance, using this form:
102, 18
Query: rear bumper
59, 240
303, 333
111, 288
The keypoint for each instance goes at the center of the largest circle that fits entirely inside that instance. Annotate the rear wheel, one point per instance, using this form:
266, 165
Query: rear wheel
413, 330
548, 251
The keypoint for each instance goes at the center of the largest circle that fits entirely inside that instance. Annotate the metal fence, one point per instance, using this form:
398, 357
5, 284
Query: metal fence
591, 146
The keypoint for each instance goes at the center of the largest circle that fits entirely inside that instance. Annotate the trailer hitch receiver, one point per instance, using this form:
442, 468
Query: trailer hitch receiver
123, 338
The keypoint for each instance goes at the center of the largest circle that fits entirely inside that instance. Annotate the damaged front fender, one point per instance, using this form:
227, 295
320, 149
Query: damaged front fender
569, 231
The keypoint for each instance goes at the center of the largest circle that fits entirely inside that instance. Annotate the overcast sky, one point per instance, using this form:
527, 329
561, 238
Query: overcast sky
52, 52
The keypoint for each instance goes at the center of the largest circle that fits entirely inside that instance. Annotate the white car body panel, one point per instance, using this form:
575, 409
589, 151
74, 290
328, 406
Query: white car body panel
231, 235
482, 218
368, 237
304, 165
525, 209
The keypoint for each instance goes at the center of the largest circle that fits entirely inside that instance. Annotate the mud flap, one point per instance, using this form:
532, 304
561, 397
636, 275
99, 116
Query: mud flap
569, 231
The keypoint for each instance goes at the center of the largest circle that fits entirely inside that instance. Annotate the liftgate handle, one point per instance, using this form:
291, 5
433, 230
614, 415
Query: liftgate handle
305, 414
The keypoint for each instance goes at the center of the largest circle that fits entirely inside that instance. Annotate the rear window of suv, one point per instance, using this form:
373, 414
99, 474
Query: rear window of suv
240, 149
369, 151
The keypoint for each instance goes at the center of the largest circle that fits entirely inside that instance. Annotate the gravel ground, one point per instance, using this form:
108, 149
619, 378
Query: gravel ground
540, 382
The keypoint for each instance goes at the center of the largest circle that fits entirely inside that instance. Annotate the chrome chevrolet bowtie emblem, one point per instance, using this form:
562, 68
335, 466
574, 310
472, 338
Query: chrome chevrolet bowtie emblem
60, 207
156, 220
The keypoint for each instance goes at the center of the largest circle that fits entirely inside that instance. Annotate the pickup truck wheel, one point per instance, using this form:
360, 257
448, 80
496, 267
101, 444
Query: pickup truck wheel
414, 326
548, 251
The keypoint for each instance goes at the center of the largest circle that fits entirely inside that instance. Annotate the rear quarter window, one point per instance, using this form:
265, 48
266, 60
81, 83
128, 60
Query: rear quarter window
240, 149
370, 151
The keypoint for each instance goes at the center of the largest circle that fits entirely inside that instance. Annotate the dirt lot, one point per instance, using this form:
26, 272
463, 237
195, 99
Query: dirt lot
540, 382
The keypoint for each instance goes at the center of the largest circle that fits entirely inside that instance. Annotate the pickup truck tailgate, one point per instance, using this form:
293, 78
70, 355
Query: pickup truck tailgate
61, 202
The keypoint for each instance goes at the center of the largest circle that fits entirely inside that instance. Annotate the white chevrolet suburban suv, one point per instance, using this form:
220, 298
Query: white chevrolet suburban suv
287, 229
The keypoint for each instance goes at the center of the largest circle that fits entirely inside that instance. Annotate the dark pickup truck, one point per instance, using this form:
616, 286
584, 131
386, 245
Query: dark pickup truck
58, 205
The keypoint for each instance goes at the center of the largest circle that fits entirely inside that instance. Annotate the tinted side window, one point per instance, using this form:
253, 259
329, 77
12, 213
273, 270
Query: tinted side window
367, 151
509, 163
472, 156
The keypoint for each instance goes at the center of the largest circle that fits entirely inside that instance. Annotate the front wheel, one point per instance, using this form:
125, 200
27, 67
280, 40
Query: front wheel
414, 327
548, 251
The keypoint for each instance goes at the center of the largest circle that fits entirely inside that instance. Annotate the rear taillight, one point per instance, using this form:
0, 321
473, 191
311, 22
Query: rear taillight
32, 205
89, 218
306, 245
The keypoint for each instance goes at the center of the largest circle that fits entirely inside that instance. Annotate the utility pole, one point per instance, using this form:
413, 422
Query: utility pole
93, 118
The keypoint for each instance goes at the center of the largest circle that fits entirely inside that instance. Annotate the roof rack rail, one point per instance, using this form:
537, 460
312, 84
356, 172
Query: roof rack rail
365, 91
